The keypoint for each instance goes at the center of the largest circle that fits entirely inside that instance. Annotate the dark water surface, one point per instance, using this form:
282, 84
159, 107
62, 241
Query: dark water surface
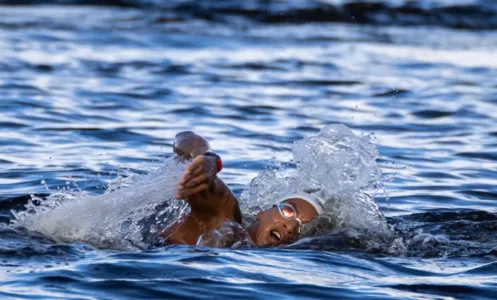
91, 92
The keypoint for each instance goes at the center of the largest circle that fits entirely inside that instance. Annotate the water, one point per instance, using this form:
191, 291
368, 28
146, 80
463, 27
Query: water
89, 94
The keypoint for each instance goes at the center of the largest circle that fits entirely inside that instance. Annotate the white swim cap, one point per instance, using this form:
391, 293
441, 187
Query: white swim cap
316, 202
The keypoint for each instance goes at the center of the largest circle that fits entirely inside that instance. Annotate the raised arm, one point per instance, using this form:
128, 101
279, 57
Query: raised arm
210, 199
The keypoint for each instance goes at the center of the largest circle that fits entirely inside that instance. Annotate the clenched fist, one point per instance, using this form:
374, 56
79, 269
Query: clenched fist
197, 177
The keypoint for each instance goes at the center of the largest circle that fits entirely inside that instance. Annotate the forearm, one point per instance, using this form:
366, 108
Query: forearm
217, 199
206, 193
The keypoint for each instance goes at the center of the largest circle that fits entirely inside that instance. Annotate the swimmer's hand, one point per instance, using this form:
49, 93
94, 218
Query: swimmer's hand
199, 174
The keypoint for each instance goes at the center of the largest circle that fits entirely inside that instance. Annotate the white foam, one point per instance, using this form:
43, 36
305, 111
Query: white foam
114, 219
337, 166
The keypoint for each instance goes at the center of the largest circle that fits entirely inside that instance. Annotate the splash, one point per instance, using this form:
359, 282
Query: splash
337, 166
130, 210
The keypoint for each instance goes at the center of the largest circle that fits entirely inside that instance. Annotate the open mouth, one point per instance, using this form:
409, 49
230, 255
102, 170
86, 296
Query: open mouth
275, 235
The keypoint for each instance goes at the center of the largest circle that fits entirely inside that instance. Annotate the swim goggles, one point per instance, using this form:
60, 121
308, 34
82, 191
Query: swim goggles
288, 212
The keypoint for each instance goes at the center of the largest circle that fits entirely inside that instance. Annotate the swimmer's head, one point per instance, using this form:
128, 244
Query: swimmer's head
282, 223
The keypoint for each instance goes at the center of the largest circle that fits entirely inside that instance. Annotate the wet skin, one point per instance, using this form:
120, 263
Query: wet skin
272, 229
212, 203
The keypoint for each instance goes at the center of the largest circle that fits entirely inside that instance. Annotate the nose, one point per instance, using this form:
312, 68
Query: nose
291, 227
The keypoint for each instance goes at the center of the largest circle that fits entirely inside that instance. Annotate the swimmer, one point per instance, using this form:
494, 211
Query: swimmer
212, 204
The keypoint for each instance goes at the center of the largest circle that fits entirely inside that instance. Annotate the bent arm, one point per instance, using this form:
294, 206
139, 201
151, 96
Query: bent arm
206, 193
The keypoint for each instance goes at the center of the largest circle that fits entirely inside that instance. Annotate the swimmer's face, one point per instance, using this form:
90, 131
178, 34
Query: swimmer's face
274, 229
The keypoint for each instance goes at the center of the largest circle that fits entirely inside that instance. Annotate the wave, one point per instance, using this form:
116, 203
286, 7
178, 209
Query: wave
437, 233
462, 14
335, 164
127, 216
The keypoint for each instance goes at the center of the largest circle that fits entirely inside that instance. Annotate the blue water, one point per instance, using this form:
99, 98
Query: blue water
89, 93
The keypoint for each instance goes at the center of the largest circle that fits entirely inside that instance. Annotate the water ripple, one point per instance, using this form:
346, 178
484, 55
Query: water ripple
90, 93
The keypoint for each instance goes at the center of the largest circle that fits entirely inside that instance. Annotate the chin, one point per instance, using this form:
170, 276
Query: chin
262, 241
